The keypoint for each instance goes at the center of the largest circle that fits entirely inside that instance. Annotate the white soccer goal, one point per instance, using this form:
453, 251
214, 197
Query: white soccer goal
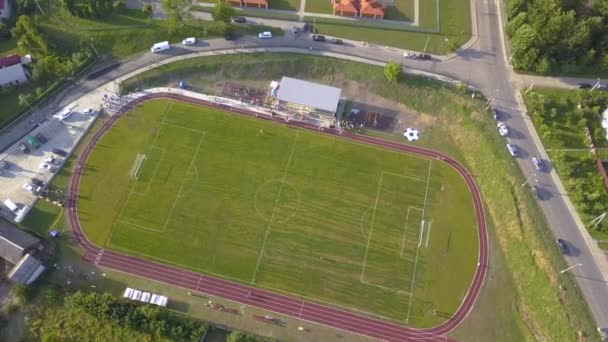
137, 165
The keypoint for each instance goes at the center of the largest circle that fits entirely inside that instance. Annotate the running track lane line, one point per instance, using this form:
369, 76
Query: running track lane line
279, 303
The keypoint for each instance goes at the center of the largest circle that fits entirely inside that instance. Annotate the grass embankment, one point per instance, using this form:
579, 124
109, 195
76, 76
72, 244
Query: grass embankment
561, 125
522, 296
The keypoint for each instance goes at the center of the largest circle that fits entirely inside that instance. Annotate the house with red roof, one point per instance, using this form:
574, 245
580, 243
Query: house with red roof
345, 7
361, 8
12, 71
372, 9
255, 3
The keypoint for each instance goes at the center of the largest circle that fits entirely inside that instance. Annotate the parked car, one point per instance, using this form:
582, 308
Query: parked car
337, 41
88, 111
31, 187
60, 152
410, 55
512, 149
496, 114
47, 167
41, 138
583, 85
424, 56
52, 160
229, 35
265, 35
538, 163
23, 147
240, 20
536, 190
502, 129
318, 38
563, 246
37, 182
189, 41
306, 27
295, 30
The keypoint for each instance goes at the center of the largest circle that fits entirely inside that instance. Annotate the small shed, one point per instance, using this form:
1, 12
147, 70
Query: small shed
27, 270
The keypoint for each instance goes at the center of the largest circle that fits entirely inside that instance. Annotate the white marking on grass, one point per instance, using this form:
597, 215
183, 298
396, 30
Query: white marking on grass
404, 176
409, 306
257, 266
404, 240
162, 157
181, 188
186, 128
428, 234
158, 230
369, 236
392, 289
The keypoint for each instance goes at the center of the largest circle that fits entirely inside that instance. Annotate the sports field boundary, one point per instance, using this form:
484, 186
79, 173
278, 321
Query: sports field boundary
295, 307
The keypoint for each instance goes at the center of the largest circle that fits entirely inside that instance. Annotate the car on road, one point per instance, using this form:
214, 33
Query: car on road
410, 55
424, 56
583, 85
536, 190
265, 35
563, 246
52, 160
512, 149
295, 30
88, 111
603, 332
189, 41
240, 20
318, 38
306, 27
495, 114
60, 152
47, 167
502, 129
538, 163
336, 41
23, 147
41, 138
229, 35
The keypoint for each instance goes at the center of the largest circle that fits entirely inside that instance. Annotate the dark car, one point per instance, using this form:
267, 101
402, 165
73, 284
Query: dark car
60, 152
563, 246
318, 38
337, 41
583, 86
23, 147
537, 191
495, 114
37, 182
241, 20
229, 35
306, 27
424, 56
41, 138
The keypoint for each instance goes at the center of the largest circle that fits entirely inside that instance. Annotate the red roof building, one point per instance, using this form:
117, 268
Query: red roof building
345, 7
372, 9
256, 3
9, 60
238, 3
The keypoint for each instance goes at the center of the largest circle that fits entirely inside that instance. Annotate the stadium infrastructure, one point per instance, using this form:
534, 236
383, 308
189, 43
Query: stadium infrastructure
307, 311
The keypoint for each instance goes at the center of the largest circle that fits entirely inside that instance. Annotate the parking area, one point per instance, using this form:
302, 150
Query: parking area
28, 166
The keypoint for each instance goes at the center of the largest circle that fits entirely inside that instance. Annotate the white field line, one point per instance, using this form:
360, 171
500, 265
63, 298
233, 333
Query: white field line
369, 236
428, 234
257, 266
421, 230
403, 241
404, 176
181, 188
409, 306
385, 288
184, 127
158, 230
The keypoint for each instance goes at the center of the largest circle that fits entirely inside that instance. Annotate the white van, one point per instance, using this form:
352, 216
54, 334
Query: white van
162, 46
189, 41
265, 35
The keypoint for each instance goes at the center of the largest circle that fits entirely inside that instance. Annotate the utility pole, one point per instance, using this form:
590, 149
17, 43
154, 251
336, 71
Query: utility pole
529, 179
427, 43
570, 268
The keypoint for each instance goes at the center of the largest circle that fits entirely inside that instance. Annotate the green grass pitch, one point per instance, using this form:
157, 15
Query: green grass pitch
315, 216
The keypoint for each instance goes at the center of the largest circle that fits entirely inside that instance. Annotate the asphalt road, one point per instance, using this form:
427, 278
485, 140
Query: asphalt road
482, 65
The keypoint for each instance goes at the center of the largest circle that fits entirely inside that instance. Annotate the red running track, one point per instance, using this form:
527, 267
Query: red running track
279, 303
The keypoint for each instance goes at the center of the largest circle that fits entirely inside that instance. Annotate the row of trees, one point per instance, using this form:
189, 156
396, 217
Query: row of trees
159, 322
561, 124
558, 35
88, 8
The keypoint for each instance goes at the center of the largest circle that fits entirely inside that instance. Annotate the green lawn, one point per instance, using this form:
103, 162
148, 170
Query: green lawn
401, 10
285, 209
289, 5
319, 6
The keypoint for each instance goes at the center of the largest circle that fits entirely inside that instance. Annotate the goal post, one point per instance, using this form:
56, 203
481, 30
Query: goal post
139, 159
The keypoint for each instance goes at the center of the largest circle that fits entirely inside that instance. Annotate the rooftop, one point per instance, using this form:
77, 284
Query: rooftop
309, 94
9, 60
14, 241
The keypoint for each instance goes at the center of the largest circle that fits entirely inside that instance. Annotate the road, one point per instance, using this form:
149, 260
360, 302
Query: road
483, 65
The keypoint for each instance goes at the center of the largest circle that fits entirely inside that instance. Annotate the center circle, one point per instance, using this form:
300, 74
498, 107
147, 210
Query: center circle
276, 200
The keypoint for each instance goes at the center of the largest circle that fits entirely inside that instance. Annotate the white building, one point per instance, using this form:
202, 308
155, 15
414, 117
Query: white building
605, 121
12, 71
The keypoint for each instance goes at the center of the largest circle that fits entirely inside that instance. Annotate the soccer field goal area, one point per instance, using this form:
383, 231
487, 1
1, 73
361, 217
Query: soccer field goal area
139, 159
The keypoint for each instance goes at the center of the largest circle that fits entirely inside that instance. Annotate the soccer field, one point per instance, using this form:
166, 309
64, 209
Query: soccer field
316, 216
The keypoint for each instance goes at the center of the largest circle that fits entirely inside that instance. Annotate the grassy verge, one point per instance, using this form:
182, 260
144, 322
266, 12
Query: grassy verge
561, 125
523, 297
400, 10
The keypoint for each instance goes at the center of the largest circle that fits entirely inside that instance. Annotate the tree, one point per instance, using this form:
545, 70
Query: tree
5, 32
29, 38
222, 12
147, 10
22, 292
392, 71
178, 13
